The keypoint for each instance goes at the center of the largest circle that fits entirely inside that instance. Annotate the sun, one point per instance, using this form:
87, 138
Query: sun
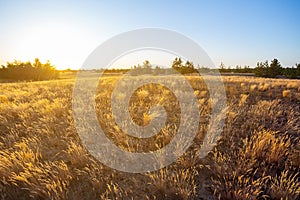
64, 44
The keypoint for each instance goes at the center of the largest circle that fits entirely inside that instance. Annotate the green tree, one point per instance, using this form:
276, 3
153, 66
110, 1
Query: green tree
222, 67
28, 71
262, 69
298, 69
275, 68
177, 64
189, 67
147, 67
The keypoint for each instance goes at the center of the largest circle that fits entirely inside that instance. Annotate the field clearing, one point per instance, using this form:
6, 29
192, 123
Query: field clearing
257, 156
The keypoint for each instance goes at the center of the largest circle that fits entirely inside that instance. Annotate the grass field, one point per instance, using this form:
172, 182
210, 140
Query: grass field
257, 155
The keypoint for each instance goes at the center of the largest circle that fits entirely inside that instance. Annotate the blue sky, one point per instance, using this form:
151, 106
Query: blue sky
234, 32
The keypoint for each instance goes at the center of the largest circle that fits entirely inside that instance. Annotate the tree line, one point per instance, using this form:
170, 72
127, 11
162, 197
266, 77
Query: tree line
266, 69
27, 71
177, 64
38, 71
274, 69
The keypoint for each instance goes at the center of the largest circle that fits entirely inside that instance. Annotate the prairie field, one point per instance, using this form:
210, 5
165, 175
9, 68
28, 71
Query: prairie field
257, 155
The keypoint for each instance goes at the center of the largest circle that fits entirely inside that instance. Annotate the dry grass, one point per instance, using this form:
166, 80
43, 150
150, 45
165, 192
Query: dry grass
257, 156
287, 93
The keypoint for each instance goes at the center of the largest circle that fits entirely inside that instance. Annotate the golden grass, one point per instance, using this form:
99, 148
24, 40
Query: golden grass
287, 93
253, 87
257, 156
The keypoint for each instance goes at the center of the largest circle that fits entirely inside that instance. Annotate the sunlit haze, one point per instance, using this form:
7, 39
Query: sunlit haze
232, 32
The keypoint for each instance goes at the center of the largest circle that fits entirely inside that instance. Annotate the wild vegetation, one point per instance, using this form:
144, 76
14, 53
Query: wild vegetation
265, 69
27, 71
257, 156
37, 71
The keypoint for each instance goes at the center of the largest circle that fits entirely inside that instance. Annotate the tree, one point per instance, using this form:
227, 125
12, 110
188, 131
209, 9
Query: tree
261, 69
188, 67
298, 69
36, 71
275, 68
147, 67
177, 64
222, 67
146, 64
292, 72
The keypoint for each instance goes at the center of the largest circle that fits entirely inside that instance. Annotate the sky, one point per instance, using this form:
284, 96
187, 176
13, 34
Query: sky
233, 32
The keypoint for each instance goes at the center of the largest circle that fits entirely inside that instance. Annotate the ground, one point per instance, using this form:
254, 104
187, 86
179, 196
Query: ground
256, 156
